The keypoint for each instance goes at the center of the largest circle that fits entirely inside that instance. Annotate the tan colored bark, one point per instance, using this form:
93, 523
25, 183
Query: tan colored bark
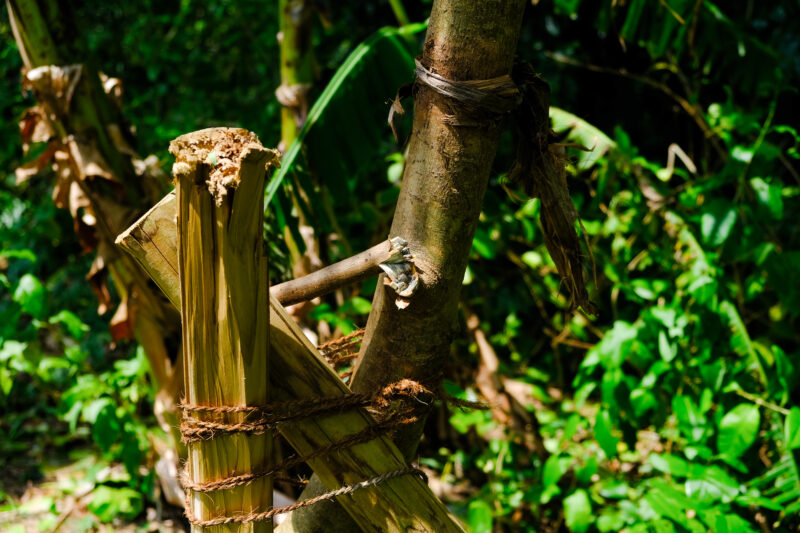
447, 170
224, 304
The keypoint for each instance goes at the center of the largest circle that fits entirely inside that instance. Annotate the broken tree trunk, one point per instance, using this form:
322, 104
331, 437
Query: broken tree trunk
447, 169
219, 175
297, 371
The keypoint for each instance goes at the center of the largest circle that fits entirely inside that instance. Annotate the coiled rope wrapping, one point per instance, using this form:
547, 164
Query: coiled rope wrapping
410, 394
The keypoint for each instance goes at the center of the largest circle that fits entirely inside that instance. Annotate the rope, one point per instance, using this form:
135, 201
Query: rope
496, 95
193, 429
347, 489
410, 394
326, 347
365, 435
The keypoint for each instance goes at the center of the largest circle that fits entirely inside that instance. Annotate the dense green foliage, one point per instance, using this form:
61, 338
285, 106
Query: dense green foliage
675, 409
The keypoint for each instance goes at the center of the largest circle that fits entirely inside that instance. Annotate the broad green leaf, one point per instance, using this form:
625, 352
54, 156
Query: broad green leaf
740, 340
792, 429
667, 349
480, 516
717, 221
582, 133
93, 409
669, 464
533, 259
690, 417
711, 484
348, 120
578, 511
31, 295
108, 503
12, 350
74, 325
484, 244
769, 195
25, 254
356, 306
603, 434
614, 489
555, 467
738, 430
667, 501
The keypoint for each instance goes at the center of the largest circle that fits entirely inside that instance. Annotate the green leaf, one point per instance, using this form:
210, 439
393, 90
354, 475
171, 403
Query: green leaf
105, 429
711, 484
31, 295
740, 340
533, 259
717, 221
738, 430
582, 133
348, 120
74, 325
356, 306
602, 432
668, 350
555, 467
769, 196
792, 429
690, 417
480, 516
25, 254
669, 464
578, 511
92, 410
483, 243
109, 503
667, 501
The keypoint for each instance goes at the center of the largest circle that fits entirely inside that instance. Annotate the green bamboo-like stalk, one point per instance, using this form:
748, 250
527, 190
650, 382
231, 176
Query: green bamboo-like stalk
297, 75
297, 62
224, 304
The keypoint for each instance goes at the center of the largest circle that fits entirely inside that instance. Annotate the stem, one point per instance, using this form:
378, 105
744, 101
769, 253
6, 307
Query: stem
399, 12
326, 280
762, 402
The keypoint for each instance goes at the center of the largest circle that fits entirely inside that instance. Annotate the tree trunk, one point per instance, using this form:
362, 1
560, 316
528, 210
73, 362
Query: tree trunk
446, 174
224, 305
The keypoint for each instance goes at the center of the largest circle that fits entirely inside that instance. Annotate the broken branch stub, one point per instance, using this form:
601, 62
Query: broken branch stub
220, 178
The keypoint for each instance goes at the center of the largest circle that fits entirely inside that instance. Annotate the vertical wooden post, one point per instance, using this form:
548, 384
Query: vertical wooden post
220, 176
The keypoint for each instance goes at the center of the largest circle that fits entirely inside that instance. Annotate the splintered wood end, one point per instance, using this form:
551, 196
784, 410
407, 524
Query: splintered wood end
222, 150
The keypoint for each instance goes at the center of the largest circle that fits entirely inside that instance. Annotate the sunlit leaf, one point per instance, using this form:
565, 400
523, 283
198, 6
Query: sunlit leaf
738, 429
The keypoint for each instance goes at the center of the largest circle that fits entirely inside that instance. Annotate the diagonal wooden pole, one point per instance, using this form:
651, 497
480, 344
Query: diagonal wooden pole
297, 371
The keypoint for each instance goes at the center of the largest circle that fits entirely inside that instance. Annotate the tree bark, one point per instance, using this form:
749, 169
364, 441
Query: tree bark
446, 174
224, 305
